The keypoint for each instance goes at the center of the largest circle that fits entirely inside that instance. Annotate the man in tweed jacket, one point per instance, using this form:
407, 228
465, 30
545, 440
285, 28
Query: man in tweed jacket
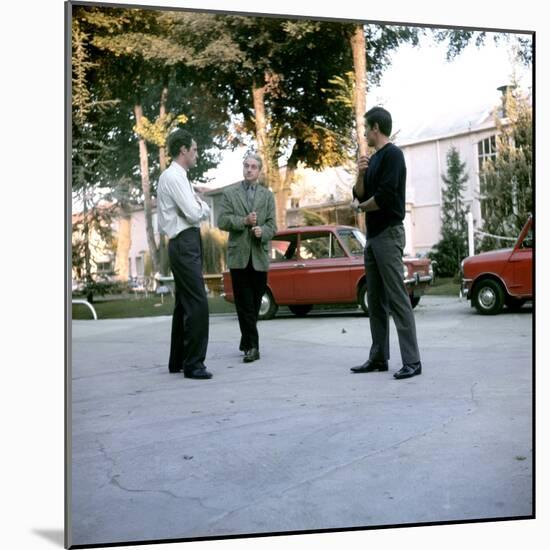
248, 214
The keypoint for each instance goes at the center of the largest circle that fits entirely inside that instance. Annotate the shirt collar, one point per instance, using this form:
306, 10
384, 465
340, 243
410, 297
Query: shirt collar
248, 185
179, 167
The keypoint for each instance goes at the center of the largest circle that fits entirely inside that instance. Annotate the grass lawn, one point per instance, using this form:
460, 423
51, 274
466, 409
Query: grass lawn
444, 286
122, 308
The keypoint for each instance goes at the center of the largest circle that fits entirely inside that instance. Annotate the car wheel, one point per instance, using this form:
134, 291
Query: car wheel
300, 310
268, 307
514, 303
362, 299
488, 297
414, 301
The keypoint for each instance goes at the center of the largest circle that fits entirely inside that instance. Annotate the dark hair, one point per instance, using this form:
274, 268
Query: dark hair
381, 117
178, 139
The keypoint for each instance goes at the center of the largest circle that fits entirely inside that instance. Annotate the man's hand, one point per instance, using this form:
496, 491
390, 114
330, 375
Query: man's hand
199, 191
362, 163
251, 219
355, 205
257, 230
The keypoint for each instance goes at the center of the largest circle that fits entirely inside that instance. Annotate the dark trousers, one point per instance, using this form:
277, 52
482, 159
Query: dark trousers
386, 292
190, 319
248, 288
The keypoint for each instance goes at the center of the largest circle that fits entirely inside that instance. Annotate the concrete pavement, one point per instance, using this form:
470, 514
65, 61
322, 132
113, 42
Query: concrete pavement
295, 441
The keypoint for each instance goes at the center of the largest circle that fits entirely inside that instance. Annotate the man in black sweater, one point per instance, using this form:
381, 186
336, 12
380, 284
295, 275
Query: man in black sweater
380, 193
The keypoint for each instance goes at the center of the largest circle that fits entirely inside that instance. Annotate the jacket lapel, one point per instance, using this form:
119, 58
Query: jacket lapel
258, 196
241, 193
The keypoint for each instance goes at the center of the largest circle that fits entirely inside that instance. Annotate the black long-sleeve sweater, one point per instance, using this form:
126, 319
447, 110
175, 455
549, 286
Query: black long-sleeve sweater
385, 181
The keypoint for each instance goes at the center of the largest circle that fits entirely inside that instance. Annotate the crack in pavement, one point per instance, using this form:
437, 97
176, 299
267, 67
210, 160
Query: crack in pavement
114, 481
329, 471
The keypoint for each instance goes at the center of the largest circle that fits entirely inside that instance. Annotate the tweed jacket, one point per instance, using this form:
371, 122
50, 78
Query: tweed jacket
242, 243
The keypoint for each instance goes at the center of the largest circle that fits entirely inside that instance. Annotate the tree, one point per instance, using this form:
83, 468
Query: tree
506, 186
138, 62
88, 167
453, 245
458, 39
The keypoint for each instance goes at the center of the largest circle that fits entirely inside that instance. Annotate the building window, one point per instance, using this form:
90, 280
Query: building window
105, 268
294, 202
140, 266
486, 150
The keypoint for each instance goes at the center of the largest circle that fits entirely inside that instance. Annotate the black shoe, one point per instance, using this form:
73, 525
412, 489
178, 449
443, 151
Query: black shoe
411, 369
371, 366
251, 355
199, 374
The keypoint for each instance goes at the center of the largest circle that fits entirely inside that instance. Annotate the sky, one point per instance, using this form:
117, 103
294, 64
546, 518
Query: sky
426, 93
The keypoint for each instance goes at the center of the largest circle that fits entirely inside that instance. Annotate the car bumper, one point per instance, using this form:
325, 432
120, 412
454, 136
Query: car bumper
465, 288
418, 279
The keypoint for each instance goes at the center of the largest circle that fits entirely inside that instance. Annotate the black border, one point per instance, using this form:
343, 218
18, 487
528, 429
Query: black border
68, 274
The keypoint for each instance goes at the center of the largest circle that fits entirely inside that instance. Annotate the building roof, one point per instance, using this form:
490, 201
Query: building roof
448, 124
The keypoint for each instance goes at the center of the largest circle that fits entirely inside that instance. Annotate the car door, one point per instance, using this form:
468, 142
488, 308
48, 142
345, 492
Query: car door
283, 261
521, 261
322, 274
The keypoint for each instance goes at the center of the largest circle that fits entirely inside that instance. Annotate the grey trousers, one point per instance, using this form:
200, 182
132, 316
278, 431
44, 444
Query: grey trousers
386, 292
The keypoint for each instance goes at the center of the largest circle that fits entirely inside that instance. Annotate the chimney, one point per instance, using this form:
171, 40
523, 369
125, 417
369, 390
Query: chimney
505, 90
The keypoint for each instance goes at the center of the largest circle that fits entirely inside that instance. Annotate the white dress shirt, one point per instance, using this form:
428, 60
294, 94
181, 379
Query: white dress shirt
179, 207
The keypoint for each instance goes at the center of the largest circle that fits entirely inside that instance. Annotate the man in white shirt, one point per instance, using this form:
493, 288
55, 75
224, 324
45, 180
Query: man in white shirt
180, 211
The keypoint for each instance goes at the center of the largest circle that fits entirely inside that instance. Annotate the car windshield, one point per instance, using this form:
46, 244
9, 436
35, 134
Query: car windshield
354, 241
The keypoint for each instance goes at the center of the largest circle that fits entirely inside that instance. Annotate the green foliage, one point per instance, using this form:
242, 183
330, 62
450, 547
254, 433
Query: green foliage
88, 165
453, 245
506, 182
458, 40
313, 218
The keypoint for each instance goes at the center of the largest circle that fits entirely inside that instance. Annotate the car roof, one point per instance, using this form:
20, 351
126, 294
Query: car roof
312, 229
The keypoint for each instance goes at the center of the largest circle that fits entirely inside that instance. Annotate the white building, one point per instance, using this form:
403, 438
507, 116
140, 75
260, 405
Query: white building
426, 159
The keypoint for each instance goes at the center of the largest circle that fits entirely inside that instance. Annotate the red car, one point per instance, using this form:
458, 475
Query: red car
493, 279
324, 265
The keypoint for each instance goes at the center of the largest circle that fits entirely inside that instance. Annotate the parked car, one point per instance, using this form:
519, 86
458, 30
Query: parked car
324, 265
491, 280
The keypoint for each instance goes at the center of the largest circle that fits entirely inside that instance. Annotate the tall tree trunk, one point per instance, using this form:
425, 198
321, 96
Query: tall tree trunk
162, 115
86, 230
124, 243
268, 154
359, 51
163, 246
285, 192
146, 187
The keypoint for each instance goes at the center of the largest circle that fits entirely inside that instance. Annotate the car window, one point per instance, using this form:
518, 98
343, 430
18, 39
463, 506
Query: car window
354, 241
318, 246
283, 248
528, 240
